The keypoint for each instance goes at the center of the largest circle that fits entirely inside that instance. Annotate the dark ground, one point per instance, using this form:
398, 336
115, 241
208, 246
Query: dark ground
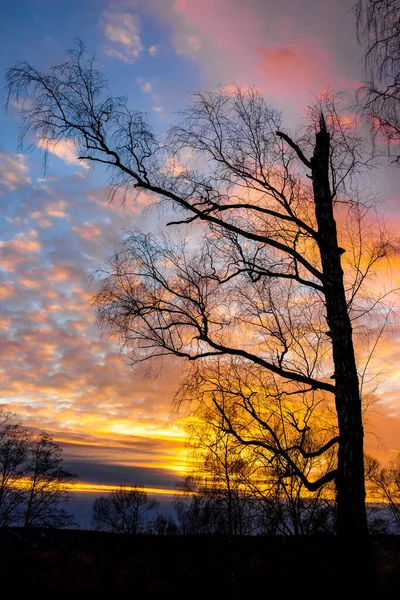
161, 566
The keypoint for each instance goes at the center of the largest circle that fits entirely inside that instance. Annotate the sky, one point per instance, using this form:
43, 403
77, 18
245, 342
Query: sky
57, 226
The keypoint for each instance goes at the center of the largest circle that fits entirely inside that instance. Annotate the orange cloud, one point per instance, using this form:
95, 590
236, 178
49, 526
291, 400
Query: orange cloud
32, 284
96, 488
382, 428
7, 290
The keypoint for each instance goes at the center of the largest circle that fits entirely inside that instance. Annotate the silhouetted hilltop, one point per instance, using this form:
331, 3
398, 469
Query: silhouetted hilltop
75, 560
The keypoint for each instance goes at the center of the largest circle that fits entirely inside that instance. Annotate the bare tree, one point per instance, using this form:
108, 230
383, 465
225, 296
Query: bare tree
293, 510
267, 252
204, 508
385, 486
49, 485
378, 26
214, 497
33, 482
163, 524
123, 511
5, 415
14, 446
234, 447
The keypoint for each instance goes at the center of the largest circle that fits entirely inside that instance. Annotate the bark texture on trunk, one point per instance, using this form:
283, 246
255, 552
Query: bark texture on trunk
350, 486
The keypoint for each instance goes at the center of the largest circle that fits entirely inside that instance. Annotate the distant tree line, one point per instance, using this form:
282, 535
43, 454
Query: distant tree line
34, 485
219, 498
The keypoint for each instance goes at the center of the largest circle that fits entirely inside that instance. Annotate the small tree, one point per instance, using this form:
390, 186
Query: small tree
207, 507
49, 485
292, 510
215, 495
385, 486
163, 524
123, 511
14, 447
33, 483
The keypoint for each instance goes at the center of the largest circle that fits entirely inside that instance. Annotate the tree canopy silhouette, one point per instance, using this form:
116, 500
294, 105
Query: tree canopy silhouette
34, 485
123, 511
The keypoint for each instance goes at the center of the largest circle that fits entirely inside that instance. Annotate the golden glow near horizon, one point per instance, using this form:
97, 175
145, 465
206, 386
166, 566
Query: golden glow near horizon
97, 488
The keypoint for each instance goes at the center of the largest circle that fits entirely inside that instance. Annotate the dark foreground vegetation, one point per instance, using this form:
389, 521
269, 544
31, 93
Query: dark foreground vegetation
71, 560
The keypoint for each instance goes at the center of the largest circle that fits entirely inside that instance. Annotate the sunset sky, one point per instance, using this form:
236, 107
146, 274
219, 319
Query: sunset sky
57, 227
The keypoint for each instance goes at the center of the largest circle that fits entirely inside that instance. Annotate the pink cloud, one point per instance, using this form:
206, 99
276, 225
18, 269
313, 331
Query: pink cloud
65, 150
248, 43
211, 20
19, 249
41, 220
89, 232
56, 209
302, 66
31, 284
14, 171
186, 43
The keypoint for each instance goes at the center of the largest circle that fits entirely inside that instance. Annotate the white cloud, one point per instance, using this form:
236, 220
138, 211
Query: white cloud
64, 149
153, 50
145, 85
13, 171
187, 44
123, 30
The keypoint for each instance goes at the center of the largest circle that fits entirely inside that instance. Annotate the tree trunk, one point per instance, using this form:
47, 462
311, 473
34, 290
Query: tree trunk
350, 486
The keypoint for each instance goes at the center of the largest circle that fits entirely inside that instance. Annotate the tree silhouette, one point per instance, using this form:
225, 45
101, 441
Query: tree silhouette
163, 524
123, 511
49, 485
385, 486
33, 483
214, 498
266, 254
254, 493
14, 448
